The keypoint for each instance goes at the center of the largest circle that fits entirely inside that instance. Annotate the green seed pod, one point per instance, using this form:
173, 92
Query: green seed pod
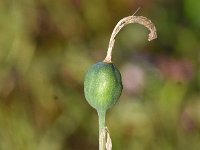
102, 85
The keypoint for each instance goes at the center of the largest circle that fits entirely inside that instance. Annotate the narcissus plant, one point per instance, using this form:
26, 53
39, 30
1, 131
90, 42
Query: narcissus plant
103, 83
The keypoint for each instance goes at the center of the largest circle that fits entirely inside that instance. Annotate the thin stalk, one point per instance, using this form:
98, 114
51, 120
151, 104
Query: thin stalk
102, 126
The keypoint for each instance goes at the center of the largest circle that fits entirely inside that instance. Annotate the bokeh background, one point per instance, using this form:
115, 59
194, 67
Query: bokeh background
46, 47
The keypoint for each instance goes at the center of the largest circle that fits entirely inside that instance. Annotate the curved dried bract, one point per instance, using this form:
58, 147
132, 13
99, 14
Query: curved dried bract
122, 23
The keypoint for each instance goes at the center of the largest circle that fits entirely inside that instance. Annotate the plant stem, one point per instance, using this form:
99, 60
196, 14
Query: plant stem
102, 125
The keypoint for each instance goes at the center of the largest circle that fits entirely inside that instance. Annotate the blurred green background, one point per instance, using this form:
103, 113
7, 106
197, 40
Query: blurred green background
46, 47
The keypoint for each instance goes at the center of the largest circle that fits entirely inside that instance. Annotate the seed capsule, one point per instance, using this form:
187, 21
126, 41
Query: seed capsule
102, 85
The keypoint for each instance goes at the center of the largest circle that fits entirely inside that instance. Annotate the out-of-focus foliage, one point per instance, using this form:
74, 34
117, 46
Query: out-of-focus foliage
46, 47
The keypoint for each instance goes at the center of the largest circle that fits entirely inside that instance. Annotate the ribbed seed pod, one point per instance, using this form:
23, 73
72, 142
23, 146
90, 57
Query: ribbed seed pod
102, 85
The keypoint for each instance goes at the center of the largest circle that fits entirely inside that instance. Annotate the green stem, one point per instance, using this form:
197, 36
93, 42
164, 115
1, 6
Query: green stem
102, 125
102, 119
